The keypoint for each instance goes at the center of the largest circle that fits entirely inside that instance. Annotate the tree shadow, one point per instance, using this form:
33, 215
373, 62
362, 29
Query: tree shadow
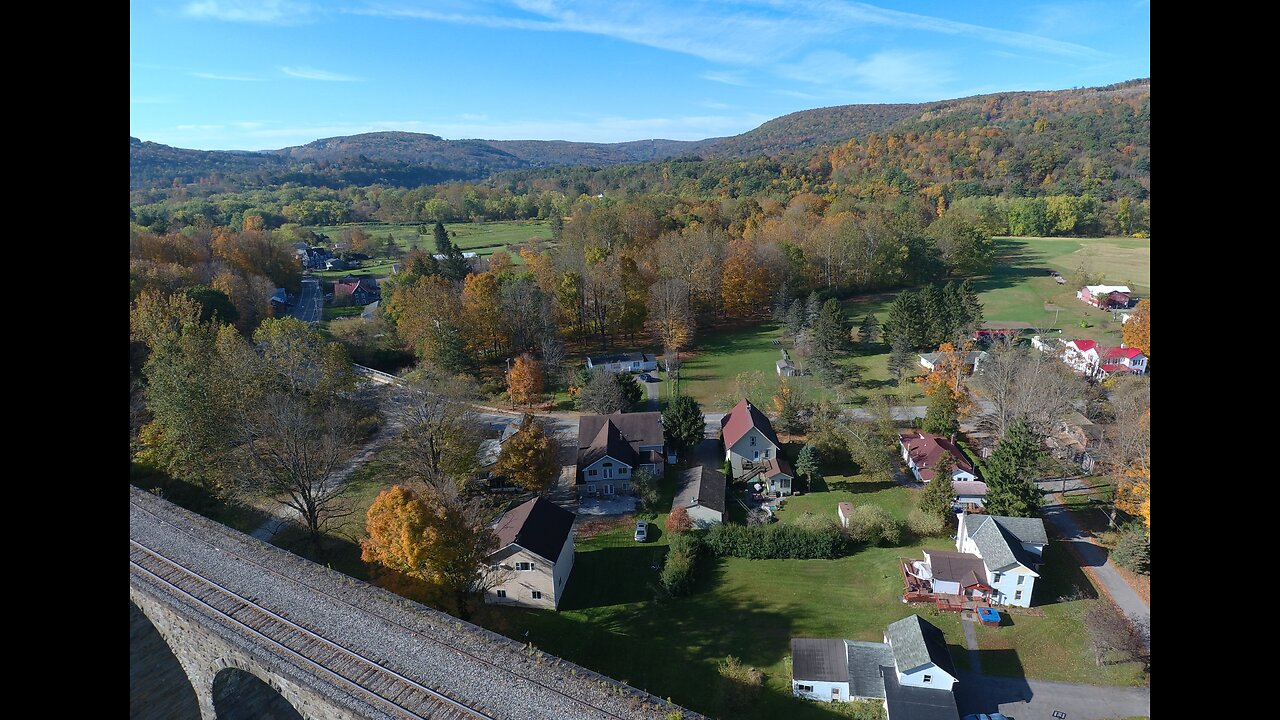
872, 486
614, 576
1002, 681
1015, 262
1062, 578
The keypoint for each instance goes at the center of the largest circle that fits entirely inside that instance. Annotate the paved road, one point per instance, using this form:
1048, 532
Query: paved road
1095, 558
1023, 699
310, 304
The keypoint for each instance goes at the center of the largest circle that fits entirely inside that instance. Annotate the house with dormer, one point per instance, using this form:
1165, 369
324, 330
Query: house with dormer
911, 672
612, 447
752, 449
1011, 550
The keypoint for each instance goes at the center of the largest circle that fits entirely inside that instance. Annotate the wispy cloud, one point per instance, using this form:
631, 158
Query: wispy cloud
906, 76
232, 78
310, 73
728, 78
250, 11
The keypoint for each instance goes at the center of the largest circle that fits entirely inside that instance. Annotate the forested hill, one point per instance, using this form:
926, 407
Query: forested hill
1094, 128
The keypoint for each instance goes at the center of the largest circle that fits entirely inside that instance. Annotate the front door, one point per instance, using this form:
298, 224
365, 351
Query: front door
608, 488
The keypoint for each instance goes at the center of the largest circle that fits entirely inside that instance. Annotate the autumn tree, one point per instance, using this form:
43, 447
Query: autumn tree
1137, 332
809, 464
441, 432
683, 424
1011, 472
679, 521
439, 539
941, 417
790, 407
524, 382
601, 395
939, 495
530, 457
669, 312
482, 314
746, 280
1019, 381
948, 376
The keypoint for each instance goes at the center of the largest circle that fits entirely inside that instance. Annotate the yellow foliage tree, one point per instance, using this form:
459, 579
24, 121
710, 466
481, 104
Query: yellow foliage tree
745, 286
1133, 495
524, 382
529, 458
482, 313
1137, 332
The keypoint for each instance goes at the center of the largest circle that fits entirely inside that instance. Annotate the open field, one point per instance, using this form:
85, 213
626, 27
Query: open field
482, 238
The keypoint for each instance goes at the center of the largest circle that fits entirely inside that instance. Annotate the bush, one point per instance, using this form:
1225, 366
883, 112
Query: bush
923, 524
873, 525
740, 685
679, 521
1133, 550
367, 426
861, 709
681, 566
770, 542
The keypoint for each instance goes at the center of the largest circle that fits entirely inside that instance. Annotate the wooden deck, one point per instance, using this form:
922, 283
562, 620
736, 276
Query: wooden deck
917, 590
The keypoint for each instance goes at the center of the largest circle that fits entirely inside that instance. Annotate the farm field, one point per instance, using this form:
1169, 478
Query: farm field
481, 238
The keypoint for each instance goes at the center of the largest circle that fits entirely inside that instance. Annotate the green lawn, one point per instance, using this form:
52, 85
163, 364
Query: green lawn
482, 238
346, 311
614, 620
709, 371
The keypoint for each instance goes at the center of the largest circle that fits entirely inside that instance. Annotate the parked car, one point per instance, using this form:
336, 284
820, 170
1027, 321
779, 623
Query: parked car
646, 377
642, 531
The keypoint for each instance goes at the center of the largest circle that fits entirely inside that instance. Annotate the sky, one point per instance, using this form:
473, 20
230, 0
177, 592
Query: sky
267, 74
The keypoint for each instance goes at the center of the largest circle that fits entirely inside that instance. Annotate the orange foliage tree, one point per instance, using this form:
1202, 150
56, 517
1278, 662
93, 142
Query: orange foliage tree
530, 457
746, 282
1137, 332
948, 373
1133, 495
482, 313
679, 520
524, 382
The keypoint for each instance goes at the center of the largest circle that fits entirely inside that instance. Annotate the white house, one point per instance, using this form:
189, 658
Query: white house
1011, 550
534, 556
971, 360
623, 362
701, 492
751, 447
612, 447
1094, 360
921, 452
910, 672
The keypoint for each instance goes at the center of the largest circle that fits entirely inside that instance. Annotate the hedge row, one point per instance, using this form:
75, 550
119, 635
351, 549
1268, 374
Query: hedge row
681, 567
765, 542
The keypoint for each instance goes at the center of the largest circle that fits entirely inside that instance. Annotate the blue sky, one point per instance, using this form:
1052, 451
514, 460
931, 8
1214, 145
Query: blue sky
265, 74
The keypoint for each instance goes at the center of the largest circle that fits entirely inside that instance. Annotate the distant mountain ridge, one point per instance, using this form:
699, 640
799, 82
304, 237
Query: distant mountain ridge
410, 159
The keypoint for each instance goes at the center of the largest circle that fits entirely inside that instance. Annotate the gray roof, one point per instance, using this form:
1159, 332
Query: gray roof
999, 539
821, 660
916, 703
963, 568
916, 642
609, 441
630, 432
865, 662
701, 485
620, 357
539, 526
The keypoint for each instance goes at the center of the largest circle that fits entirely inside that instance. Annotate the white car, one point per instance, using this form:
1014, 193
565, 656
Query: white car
642, 531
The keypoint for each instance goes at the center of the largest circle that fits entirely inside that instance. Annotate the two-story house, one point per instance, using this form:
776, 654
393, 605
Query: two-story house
534, 556
921, 452
910, 672
612, 447
1011, 549
751, 447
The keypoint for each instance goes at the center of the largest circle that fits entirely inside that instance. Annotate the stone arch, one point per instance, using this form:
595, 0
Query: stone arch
241, 693
159, 687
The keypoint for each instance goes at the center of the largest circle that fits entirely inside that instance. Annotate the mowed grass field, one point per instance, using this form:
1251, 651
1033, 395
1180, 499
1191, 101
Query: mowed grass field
481, 238
1020, 292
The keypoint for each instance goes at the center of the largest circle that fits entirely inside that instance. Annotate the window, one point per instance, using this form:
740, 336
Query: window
607, 465
1017, 595
1021, 578
928, 678
592, 472
835, 692
537, 595
622, 471
995, 578
523, 566
804, 688
753, 441
502, 593
766, 453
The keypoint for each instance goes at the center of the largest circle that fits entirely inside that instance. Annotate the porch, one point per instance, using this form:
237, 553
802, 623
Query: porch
918, 589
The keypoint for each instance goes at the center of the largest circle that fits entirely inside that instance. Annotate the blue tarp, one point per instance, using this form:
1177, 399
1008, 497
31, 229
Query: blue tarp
989, 614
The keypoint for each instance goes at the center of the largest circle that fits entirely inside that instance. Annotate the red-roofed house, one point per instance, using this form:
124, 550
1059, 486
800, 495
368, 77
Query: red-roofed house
1094, 360
921, 451
362, 290
751, 447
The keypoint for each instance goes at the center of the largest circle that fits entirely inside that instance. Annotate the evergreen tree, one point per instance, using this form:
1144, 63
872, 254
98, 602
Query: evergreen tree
899, 357
935, 316
812, 308
972, 307
942, 418
809, 464
442, 239
907, 320
455, 266
795, 317
557, 226
867, 331
939, 494
632, 393
781, 302
831, 330
1011, 471
683, 423
447, 350
955, 313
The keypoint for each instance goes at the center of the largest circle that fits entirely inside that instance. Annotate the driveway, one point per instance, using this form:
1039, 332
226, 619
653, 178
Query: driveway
1023, 699
1095, 558
618, 505
652, 389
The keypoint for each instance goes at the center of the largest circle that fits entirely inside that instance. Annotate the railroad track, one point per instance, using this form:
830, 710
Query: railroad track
379, 686
292, 629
